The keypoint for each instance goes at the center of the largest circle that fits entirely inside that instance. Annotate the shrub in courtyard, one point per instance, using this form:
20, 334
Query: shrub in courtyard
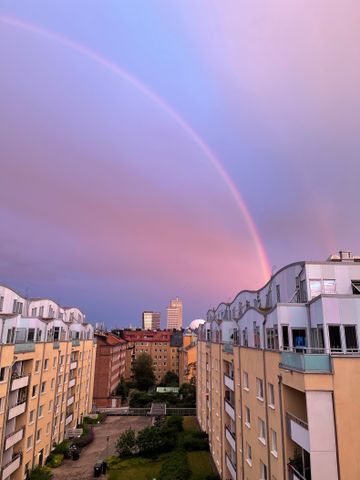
212, 476
154, 440
86, 438
54, 460
40, 473
126, 443
176, 467
140, 400
62, 448
192, 441
175, 422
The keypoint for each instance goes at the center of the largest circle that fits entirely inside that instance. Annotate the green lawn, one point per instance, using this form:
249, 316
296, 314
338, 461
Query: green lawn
139, 468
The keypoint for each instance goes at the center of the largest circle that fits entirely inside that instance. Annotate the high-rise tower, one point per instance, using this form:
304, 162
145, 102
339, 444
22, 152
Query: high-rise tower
174, 314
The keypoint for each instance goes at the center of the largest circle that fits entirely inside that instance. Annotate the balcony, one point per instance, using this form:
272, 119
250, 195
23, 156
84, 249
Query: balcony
76, 342
56, 345
17, 409
298, 431
229, 409
73, 365
19, 382
229, 382
72, 382
306, 362
70, 400
228, 347
294, 474
231, 467
68, 419
24, 347
13, 438
230, 437
11, 467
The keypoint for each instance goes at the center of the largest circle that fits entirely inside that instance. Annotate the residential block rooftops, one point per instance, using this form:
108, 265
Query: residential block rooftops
109, 338
146, 335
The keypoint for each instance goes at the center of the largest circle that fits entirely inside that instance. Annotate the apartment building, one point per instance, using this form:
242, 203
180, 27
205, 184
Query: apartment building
277, 376
187, 358
110, 367
174, 314
47, 359
150, 320
163, 347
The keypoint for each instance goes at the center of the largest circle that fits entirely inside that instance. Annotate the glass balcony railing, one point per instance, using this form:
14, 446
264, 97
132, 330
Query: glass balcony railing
306, 362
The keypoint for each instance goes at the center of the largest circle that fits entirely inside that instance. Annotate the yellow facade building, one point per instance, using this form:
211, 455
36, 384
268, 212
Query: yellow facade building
277, 376
47, 360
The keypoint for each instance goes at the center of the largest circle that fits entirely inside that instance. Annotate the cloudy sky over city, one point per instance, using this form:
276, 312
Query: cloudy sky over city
152, 148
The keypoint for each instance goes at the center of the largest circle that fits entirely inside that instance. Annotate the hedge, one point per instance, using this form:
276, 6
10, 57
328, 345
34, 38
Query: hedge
176, 467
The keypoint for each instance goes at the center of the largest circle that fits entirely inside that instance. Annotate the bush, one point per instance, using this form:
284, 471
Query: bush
212, 476
93, 421
140, 400
54, 460
176, 467
86, 438
175, 422
154, 440
62, 448
191, 441
40, 473
126, 443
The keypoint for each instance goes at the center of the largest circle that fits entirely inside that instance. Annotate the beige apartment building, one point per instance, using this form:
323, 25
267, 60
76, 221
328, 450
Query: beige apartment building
278, 376
47, 360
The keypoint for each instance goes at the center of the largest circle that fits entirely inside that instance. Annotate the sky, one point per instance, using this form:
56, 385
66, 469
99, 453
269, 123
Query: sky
153, 149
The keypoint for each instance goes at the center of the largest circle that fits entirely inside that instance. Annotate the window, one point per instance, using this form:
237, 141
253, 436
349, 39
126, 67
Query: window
38, 435
315, 288
335, 338
245, 337
43, 387
3, 374
246, 380
273, 443
1, 303
248, 454
29, 442
260, 389
41, 407
262, 431
2, 404
285, 336
263, 471
48, 428
272, 338
34, 312
329, 287
278, 298
256, 335
247, 417
34, 391
41, 311
52, 383
31, 416
350, 337
271, 395
31, 335
54, 362
46, 363
355, 285
37, 366
50, 405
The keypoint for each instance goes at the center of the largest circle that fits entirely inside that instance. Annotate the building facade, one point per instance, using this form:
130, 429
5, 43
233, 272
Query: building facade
150, 320
174, 314
163, 347
187, 358
277, 376
110, 367
47, 360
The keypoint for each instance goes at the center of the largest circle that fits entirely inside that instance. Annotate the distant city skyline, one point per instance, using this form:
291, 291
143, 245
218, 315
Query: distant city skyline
178, 147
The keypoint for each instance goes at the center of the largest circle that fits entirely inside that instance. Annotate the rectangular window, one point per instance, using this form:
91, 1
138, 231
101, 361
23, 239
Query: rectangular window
329, 287
29, 441
260, 389
247, 417
315, 288
52, 383
48, 428
262, 431
37, 366
248, 454
38, 435
43, 387
31, 416
54, 362
278, 298
271, 395
46, 363
1, 303
34, 312
256, 335
351, 338
41, 311
273, 443
14, 306
246, 380
335, 338
355, 285
41, 408
263, 471
34, 391
3, 374
31, 335
2, 404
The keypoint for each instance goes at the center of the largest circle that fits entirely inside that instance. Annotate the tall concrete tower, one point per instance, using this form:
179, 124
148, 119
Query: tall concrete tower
174, 314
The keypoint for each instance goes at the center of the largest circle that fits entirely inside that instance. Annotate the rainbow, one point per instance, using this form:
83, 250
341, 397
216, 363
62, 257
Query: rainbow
145, 90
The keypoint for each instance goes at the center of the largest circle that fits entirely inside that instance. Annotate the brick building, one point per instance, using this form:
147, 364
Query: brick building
110, 366
163, 347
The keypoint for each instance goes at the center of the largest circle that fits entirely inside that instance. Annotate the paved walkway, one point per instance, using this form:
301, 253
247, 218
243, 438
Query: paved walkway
83, 468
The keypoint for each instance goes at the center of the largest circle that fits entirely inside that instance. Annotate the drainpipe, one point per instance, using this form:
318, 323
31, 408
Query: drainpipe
266, 399
282, 423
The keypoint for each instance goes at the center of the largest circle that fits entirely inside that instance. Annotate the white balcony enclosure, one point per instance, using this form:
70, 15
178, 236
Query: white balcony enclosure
17, 410
70, 400
13, 438
73, 365
229, 382
231, 468
230, 439
229, 410
72, 382
298, 431
11, 467
68, 419
19, 382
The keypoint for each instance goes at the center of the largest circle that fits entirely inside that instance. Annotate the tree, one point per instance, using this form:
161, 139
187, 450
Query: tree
154, 440
122, 389
144, 372
126, 443
188, 393
170, 379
